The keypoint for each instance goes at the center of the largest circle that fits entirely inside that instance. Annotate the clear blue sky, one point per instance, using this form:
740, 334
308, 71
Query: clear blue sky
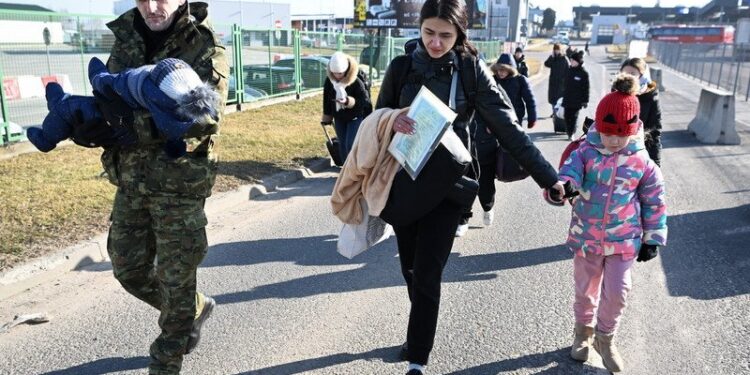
563, 8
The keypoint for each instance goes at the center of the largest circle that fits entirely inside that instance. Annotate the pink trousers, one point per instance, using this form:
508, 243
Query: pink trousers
603, 282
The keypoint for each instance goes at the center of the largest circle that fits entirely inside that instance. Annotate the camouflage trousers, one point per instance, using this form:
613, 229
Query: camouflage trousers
170, 230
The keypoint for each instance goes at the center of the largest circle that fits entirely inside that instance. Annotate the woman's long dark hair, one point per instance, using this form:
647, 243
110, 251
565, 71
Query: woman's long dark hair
454, 12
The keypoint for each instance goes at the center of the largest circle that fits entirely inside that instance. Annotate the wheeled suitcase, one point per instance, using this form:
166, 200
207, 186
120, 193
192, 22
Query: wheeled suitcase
332, 144
558, 121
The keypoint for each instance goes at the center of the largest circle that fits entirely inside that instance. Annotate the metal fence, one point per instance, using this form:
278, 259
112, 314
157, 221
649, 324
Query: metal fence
725, 66
265, 63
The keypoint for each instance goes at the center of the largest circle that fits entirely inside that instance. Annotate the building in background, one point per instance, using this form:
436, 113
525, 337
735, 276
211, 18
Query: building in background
609, 29
715, 12
15, 29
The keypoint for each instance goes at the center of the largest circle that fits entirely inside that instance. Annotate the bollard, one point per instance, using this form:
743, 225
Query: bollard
656, 77
714, 119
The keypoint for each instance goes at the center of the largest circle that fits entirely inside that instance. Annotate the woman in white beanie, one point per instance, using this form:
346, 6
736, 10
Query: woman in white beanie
345, 100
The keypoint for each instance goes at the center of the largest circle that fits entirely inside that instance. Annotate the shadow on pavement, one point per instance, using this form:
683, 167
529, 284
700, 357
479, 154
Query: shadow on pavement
379, 268
679, 139
388, 355
560, 359
104, 366
707, 254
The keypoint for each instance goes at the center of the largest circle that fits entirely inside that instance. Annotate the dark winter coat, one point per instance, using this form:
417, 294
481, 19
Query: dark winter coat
519, 91
356, 91
523, 69
558, 71
651, 117
577, 86
489, 105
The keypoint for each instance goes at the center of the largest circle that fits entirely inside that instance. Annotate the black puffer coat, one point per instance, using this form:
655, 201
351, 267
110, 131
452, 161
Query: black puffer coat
651, 117
489, 105
577, 88
558, 66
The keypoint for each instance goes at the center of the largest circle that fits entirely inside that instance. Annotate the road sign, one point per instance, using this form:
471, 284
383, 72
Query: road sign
46, 36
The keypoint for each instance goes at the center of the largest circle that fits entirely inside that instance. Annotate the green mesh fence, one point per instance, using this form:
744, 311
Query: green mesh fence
263, 63
49, 47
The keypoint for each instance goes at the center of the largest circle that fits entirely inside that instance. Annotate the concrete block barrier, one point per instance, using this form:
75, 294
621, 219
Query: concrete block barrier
714, 118
656, 77
30, 87
11, 89
62, 79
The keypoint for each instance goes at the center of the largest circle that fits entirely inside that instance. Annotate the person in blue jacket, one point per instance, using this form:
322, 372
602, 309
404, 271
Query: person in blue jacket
518, 90
517, 87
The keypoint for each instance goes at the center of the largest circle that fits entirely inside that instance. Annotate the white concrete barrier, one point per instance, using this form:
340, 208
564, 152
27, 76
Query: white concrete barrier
30, 87
714, 118
656, 76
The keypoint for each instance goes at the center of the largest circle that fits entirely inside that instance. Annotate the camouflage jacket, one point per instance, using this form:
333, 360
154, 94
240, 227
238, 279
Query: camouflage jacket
145, 168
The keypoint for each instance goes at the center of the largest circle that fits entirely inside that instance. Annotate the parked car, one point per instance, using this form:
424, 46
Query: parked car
380, 58
270, 79
313, 69
264, 80
251, 94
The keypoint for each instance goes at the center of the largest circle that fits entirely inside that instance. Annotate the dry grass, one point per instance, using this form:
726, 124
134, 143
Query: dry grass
53, 200
538, 44
534, 66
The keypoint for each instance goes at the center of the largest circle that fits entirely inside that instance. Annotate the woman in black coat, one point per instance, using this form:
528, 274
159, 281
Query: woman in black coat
558, 65
344, 100
648, 96
576, 93
425, 243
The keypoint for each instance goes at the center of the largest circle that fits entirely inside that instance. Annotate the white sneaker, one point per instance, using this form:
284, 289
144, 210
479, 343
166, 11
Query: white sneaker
489, 218
462, 229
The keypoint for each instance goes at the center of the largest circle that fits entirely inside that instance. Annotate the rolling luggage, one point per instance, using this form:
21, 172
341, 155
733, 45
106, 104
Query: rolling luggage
558, 119
332, 144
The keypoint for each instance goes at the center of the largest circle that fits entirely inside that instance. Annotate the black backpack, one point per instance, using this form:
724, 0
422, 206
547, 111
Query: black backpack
367, 108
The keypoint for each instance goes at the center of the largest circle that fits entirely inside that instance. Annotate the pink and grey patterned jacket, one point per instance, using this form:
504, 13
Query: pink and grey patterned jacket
622, 202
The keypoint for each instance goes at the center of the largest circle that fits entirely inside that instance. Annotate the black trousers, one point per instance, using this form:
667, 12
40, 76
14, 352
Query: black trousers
571, 120
423, 249
486, 187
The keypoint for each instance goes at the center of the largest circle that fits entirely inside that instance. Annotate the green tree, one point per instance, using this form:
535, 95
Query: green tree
548, 20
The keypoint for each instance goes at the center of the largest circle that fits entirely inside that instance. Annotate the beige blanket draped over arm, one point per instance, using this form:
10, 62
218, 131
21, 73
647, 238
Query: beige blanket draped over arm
369, 169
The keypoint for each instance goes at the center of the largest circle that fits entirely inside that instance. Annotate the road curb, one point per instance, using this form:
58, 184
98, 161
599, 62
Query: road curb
85, 253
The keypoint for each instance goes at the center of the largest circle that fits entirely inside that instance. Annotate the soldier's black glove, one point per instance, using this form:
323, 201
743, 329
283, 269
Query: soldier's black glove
115, 110
647, 252
98, 133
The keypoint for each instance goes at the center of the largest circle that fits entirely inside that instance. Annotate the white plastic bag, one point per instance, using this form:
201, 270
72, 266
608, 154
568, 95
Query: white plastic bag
559, 109
355, 239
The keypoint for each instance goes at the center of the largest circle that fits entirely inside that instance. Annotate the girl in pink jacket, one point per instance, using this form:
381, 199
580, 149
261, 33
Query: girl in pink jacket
618, 217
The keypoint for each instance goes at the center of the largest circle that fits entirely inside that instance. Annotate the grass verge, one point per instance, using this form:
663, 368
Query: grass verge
534, 66
49, 201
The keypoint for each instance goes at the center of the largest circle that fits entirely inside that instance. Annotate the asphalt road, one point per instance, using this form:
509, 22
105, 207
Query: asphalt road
289, 304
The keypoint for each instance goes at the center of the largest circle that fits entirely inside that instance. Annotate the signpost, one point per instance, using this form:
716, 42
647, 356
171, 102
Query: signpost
47, 41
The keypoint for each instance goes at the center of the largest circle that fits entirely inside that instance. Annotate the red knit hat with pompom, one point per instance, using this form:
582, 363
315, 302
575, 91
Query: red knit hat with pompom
617, 113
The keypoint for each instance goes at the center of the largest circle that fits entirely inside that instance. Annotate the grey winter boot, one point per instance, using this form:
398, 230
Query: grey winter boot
584, 336
604, 345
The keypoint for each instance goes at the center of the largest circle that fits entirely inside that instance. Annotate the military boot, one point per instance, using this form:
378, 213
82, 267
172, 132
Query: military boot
582, 342
605, 346
195, 333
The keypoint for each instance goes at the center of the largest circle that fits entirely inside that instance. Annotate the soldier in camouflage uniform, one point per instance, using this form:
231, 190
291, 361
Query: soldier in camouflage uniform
158, 211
